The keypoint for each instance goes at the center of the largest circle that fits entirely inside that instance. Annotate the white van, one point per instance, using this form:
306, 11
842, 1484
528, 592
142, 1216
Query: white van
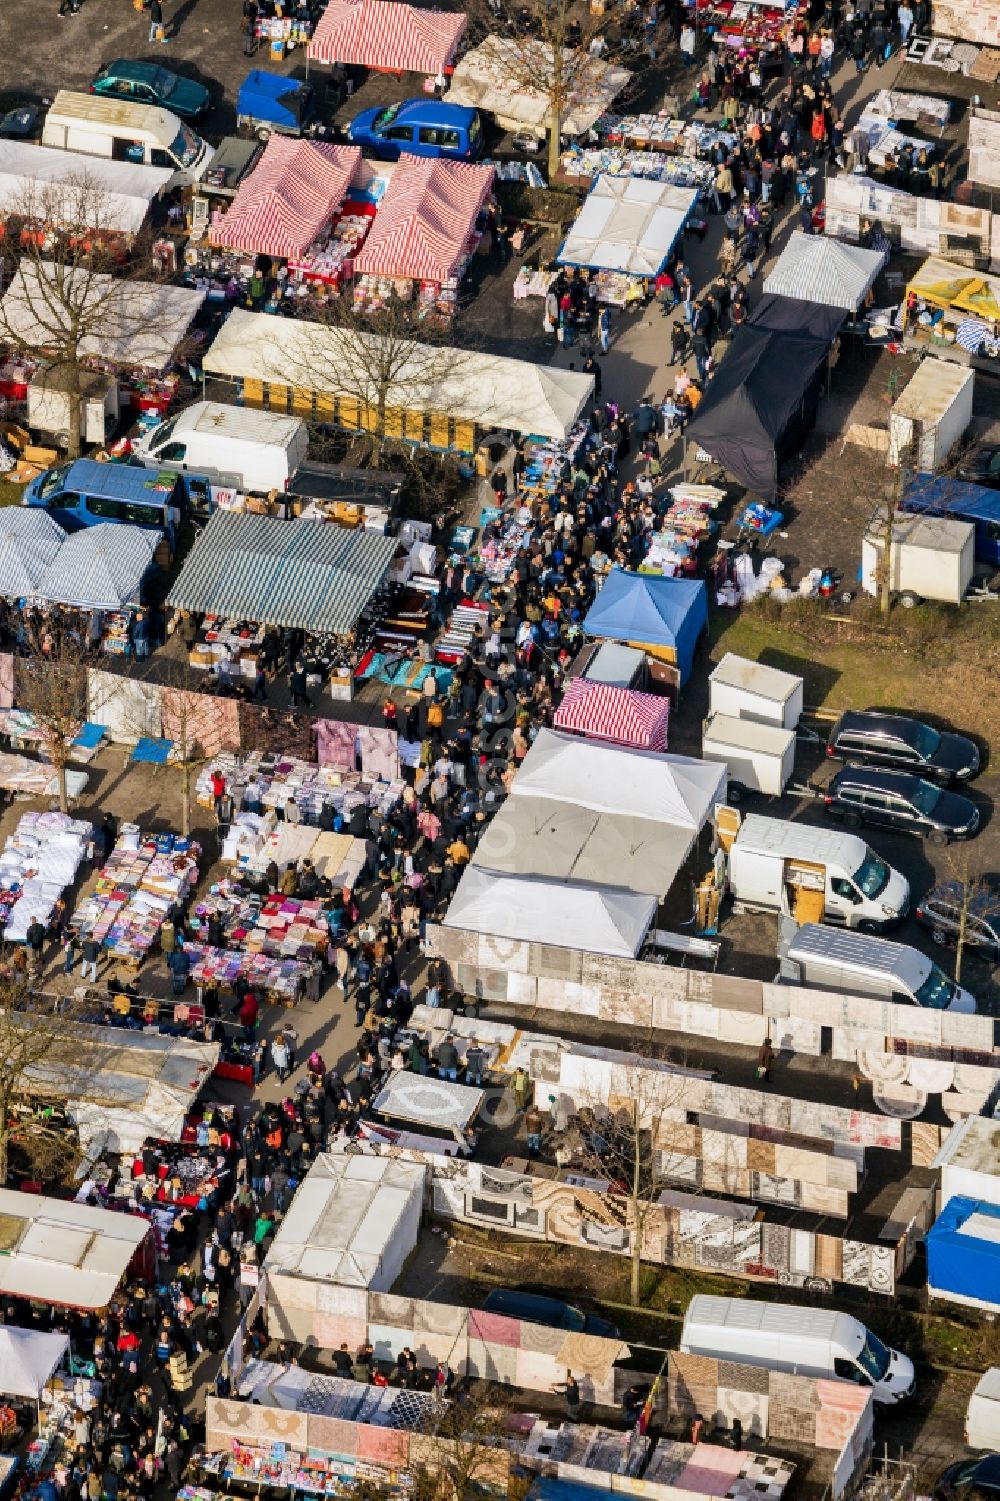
856, 964
982, 1419
238, 446
801, 1341
126, 132
814, 874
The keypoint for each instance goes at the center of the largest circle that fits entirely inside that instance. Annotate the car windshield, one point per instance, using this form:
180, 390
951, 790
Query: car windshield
926, 797
164, 83
874, 1357
53, 482
937, 992
924, 739
872, 875
386, 117
161, 434
186, 147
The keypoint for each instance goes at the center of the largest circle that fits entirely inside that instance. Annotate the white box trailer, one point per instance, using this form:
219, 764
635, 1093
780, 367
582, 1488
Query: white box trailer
760, 757
969, 1161
931, 414
982, 1417
932, 557
49, 405
751, 690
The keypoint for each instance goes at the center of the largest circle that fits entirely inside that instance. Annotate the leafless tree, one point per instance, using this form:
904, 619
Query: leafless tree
975, 897
51, 684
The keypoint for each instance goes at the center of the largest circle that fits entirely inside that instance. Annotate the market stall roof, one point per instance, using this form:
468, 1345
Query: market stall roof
489, 390
387, 35
759, 403
627, 224
140, 323
305, 575
425, 219
29, 540
650, 610
100, 567
497, 76
945, 284
817, 268
793, 315
288, 199
595, 918
64, 187
430, 1102
622, 716
27, 1359
353, 1221
58, 1251
984, 147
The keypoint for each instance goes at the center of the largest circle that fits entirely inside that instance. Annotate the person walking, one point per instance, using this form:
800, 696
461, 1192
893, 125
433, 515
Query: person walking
765, 1060
297, 687
157, 32
91, 953
604, 329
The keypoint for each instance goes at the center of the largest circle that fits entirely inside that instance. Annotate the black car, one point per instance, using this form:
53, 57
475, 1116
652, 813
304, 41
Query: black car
898, 742
898, 800
22, 124
982, 467
940, 911
970, 1480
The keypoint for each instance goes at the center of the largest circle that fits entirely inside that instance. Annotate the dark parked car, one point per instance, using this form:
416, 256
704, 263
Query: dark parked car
982, 467
940, 911
23, 123
970, 1480
897, 800
867, 736
534, 1308
148, 83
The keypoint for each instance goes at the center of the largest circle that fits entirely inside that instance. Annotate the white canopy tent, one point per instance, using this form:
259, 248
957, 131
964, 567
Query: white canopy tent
595, 918
28, 1358
353, 1222
66, 1253
62, 187
496, 76
489, 390
816, 268
627, 224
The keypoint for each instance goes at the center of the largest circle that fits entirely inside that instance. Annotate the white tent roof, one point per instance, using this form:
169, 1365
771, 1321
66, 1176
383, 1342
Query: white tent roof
344, 1217
141, 322
106, 195
493, 77
65, 1253
627, 224
486, 389
99, 568
640, 784
816, 268
27, 1359
595, 918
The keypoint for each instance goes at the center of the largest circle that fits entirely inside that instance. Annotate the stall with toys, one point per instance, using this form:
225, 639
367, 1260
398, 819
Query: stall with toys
288, 202
329, 262
948, 304
686, 524
757, 28
142, 878
655, 146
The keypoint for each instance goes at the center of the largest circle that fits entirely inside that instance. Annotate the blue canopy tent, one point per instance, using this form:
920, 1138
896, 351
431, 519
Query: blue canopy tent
646, 610
963, 1253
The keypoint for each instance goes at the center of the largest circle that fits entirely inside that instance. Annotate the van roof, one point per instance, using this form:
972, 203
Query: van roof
121, 482
752, 1313
797, 841
237, 422
859, 951
101, 109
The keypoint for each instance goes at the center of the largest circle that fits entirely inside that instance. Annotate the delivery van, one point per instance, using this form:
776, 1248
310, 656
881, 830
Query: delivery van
814, 874
982, 1418
84, 492
802, 1341
126, 132
238, 446
858, 964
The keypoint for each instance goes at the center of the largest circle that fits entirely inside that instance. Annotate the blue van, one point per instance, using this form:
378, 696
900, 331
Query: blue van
84, 492
940, 495
423, 127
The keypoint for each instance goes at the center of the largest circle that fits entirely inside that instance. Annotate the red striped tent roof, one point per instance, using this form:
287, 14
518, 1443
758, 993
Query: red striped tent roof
622, 715
288, 199
425, 218
385, 34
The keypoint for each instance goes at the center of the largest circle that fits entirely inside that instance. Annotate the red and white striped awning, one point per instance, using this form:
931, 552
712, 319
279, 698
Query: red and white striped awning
425, 219
288, 199
385, 34
622, 715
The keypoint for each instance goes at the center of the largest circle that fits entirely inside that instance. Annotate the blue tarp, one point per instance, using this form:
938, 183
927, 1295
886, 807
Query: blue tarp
941, 495
966, 1265
275, 99
643, 607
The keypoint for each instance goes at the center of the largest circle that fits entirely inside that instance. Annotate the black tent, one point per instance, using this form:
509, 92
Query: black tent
761, 402
792, 315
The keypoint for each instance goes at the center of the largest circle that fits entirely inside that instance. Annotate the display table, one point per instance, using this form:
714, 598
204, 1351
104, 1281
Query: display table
315, 788
39, 863
142, 877
24, 778
269, 928
581, 165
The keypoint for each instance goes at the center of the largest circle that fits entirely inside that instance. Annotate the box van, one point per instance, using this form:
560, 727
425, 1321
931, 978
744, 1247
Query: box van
84, 492
982, 1418
814, 875
802, 1341
422, 127
125, 132
856, 964
250, 450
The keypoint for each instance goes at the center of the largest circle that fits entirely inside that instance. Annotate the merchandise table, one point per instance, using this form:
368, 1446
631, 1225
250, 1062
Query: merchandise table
583, 165
277, 780
141, 879
269, 928
281, 979
39, 862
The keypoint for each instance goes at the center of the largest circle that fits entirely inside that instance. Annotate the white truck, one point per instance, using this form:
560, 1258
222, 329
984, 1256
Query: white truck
239, 446
857, 964
931, 557
813, 874
802, 1341
982, 1418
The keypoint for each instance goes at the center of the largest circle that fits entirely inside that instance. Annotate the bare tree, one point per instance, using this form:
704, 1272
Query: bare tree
975, 897
191, 721
461, 1454
51, 684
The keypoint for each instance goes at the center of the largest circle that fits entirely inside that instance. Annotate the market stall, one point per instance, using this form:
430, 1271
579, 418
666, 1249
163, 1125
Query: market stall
63, 1253
946, 304
858, 208
600, 919
685, 525
664, 616
289, 199
625, 231
140, 881
812, 268
495, 76
321, 793
658, 146
28, 1360
22, 777
444, 399
41, 185
423, 235
29, 542
38, 864
916, 109
101, 570
623, 716
388, 37
753, 28
886, 141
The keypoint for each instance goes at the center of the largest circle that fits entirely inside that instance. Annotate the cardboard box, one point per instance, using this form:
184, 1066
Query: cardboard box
43, 457
15, 437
